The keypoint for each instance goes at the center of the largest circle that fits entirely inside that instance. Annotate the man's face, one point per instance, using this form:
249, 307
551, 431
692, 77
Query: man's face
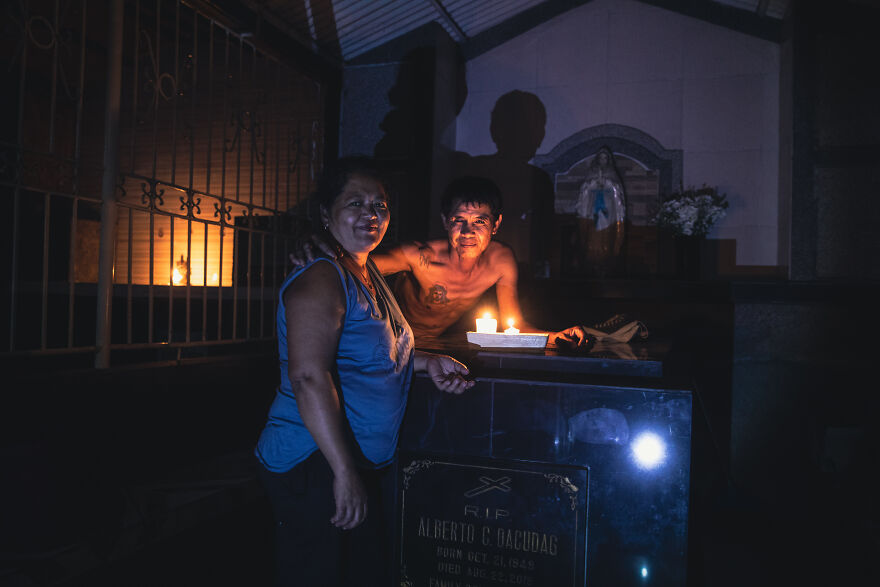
470, 228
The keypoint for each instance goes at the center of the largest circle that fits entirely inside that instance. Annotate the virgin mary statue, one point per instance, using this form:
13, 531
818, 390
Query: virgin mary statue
601, 212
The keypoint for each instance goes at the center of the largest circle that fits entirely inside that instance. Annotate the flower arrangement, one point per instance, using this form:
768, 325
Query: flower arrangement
692, 211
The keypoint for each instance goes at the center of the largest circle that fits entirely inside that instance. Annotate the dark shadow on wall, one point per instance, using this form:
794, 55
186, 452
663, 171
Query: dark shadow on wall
407, 125
404, 150
517, 128
415, 148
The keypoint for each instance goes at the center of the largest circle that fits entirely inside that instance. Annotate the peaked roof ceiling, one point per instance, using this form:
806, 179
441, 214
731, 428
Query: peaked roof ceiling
342, 30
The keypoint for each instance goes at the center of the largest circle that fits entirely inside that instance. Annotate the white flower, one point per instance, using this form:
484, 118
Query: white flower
690, 213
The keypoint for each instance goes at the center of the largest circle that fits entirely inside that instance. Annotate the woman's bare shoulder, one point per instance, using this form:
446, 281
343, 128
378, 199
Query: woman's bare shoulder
319, 281
314, 309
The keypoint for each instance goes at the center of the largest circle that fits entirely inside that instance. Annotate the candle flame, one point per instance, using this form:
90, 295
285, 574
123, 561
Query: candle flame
511, 329
178, 274
487, 315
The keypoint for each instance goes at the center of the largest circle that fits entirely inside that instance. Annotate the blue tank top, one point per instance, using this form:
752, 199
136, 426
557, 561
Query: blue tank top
374, 365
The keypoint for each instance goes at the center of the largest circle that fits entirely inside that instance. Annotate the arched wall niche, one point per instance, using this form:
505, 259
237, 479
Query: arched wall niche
648, 170
621, 139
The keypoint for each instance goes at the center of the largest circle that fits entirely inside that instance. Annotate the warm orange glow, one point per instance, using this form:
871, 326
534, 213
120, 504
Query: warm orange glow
178, 276
487, 315
510, 322
196, 242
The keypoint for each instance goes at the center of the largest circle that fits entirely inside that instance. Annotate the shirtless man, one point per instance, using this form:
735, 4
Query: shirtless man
445, 278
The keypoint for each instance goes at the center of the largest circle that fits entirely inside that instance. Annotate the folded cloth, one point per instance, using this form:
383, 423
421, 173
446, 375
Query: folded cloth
618, 328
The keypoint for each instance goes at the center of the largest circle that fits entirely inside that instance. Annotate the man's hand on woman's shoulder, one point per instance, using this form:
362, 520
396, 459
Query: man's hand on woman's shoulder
310, 246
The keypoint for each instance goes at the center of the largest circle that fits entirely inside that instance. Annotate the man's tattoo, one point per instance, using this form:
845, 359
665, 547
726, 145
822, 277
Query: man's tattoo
424, 261
436, 295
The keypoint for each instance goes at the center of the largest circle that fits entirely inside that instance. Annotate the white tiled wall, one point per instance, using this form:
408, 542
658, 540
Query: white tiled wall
637, 103
694, 86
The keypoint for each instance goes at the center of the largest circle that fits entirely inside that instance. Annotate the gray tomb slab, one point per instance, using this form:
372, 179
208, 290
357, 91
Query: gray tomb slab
635, 441
467, 521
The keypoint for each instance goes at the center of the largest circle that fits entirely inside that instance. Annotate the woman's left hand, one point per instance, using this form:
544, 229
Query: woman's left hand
447, 373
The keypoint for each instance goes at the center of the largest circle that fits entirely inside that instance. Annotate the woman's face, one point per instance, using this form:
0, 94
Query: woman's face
359, 217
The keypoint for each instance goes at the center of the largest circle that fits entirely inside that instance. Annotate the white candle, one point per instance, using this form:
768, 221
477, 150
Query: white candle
511, 329
487, 324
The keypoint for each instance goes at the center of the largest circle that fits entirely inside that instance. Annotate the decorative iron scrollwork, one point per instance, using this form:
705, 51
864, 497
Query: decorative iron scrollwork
246, 121
223, 210
413, 468
190, 203
44, 35
151, 195
158, 81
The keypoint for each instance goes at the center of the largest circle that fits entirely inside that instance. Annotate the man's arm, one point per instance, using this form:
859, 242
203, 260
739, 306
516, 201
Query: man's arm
390, 261
508, 306
403, 257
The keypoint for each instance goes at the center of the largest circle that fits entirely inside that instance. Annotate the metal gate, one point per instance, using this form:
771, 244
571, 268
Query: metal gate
150, 153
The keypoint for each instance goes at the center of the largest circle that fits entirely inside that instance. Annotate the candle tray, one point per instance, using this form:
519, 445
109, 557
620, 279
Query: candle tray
524, 340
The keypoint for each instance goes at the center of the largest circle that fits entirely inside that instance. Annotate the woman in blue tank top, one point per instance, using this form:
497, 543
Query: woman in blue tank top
347, 358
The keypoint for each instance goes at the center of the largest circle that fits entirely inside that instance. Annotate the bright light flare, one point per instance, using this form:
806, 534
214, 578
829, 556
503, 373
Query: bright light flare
649, 450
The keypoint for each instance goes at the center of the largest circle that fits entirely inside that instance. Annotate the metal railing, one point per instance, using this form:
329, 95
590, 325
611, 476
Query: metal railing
147, 168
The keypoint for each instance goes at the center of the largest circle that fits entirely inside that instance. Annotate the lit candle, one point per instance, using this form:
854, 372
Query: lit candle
511, 329
487, 324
